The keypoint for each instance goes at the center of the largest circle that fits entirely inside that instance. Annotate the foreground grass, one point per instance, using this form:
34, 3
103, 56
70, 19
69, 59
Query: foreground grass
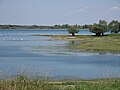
24, 83
108, 43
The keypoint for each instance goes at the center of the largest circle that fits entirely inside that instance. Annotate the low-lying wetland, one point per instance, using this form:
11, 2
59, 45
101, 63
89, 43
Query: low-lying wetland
107, 43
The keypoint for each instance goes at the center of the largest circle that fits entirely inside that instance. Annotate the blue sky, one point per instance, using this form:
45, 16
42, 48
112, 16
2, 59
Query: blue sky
51, 12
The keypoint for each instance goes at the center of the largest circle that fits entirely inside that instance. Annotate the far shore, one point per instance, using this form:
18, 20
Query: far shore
39, 29
32, 29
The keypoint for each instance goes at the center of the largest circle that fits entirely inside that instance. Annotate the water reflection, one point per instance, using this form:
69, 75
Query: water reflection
55, 47
73, 42
61, 48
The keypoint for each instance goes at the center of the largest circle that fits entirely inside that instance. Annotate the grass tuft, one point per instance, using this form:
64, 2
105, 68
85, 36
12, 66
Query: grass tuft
25, 83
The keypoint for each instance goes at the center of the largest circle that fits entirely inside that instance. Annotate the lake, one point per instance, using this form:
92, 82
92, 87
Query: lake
20, 51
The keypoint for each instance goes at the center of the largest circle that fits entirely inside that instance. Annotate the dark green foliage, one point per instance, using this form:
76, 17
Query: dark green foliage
72, 30
99, 29
85, 26
64, 26
96, 29
114, 26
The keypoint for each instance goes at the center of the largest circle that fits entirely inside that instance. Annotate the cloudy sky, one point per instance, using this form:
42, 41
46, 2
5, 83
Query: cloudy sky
51, 12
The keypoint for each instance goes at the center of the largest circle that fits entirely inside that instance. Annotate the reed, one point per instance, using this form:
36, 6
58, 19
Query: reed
23, 82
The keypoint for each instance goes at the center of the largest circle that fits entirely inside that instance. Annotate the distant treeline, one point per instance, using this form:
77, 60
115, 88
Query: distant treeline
65, 26
114, 25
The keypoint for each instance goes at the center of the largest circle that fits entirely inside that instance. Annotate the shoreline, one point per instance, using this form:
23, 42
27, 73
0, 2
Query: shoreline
90, 43
40, 29
33, 29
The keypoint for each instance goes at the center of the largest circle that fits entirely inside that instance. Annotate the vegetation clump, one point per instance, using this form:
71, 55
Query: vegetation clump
72, 30
99, 29
25, 83
107, 44
114, 26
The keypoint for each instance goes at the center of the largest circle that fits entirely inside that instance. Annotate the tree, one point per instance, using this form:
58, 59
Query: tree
65, 26
96, 29
103, 25
114, 26
73, 29
57, 27
85, 26
99, 29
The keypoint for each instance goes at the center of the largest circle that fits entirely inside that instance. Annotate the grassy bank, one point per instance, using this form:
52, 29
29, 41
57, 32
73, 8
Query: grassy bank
24, 83
108, 43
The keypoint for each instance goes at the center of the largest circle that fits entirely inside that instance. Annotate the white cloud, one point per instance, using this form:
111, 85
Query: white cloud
115, 8
71, 12
77, 11
86, 7
82, 10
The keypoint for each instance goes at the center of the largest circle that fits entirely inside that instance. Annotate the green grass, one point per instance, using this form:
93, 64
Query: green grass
109, 43
25, 83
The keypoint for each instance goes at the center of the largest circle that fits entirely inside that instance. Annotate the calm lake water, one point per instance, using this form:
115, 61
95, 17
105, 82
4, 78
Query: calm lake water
20, 51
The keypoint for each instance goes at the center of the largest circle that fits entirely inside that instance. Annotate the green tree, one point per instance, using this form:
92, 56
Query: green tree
103, 25
72, 30
114, 26
65, 26
57, 27
85, 26
99, 29
96, 29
